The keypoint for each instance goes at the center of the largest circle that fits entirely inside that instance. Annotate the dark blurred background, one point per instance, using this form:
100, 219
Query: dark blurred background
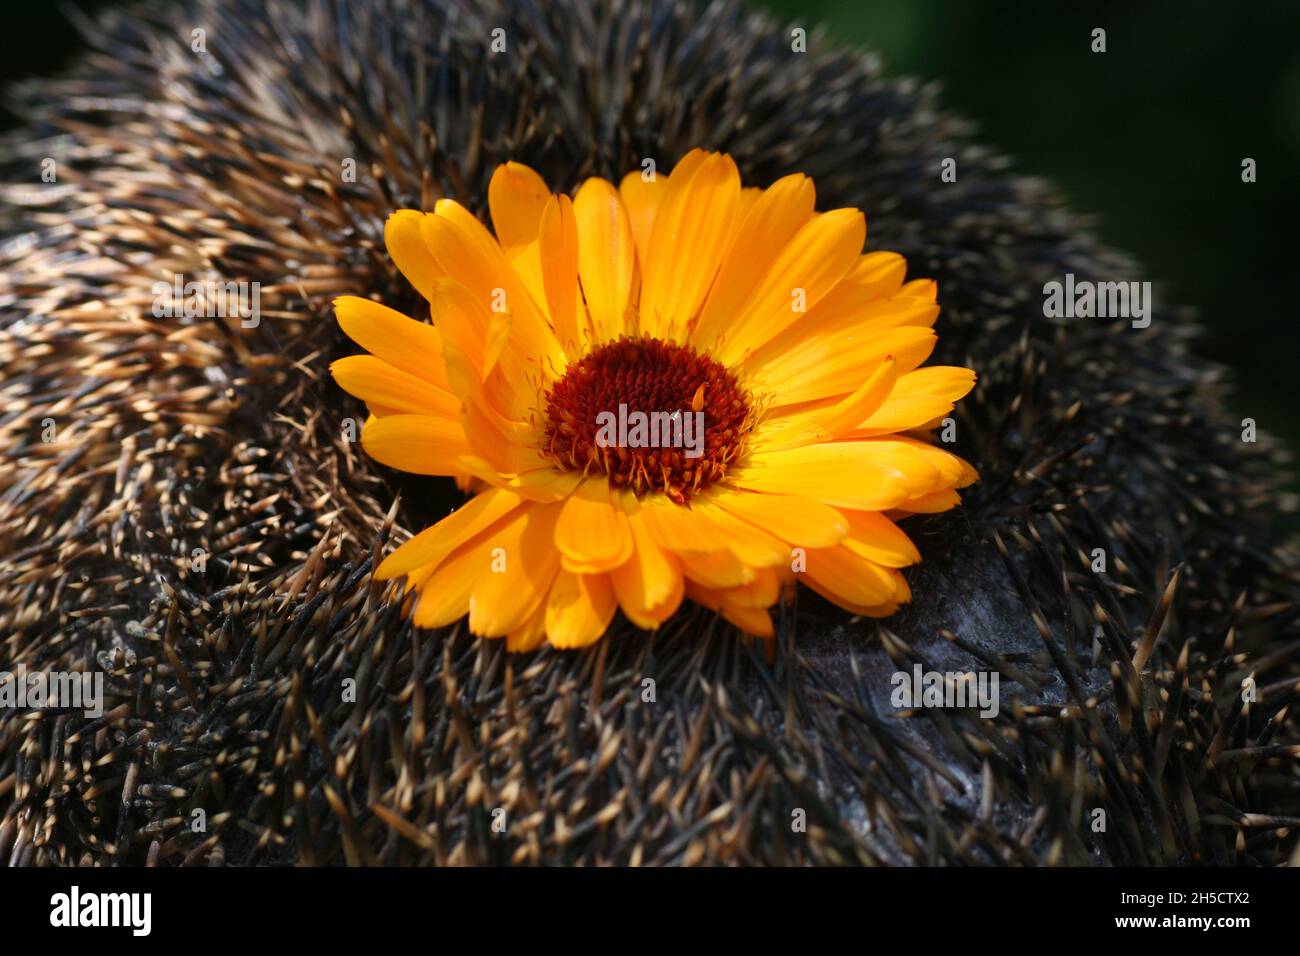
1147, 137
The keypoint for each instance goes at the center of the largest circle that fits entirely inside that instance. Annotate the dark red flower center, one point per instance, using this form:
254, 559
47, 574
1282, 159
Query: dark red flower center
651, 415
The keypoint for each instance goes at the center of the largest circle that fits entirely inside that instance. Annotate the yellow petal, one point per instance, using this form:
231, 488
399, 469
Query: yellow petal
649, 586
592, 534
545, 483
477, 353
919, 397
875, 537
527, 265
843, 474
802, 522
529, 635
580, 609
414, 347
878, 274
444, 596
516, 198
673, 527
832, 369
840, 575
818, 257
848, 313
419, 444
715, 569
643, 194
407, 249
762, 592
642, 198
434, 543
930, 467
924, 288
560, 262
751, 620
467, 251
606, 256
771, 222
374, 381
833, 421
419, 578
518, 578
688, 164
867, 610
934, 503
749, 197
687, 246
751, 545
462, 320
510, 448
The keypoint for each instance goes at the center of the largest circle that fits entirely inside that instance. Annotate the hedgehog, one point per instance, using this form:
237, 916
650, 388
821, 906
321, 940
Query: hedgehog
184, 509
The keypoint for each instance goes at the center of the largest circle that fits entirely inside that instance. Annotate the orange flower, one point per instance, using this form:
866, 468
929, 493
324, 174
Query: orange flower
674, 388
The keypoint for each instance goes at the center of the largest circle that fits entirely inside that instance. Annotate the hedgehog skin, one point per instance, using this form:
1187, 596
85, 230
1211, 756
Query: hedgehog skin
224, 684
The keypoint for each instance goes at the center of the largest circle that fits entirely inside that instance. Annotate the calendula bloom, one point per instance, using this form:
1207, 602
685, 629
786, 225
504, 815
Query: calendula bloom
676, 388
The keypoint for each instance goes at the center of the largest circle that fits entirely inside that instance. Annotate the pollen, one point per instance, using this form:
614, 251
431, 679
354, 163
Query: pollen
659, 383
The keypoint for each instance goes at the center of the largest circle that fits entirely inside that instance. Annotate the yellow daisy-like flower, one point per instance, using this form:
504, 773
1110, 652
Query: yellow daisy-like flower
677, 388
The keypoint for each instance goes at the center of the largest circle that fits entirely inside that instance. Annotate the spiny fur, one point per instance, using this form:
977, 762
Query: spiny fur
1121, 691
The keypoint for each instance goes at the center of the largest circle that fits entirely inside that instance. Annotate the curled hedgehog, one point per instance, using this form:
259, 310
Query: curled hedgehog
275, 702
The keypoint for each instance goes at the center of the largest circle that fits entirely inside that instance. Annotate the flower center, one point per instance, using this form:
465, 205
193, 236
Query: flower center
651, 415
